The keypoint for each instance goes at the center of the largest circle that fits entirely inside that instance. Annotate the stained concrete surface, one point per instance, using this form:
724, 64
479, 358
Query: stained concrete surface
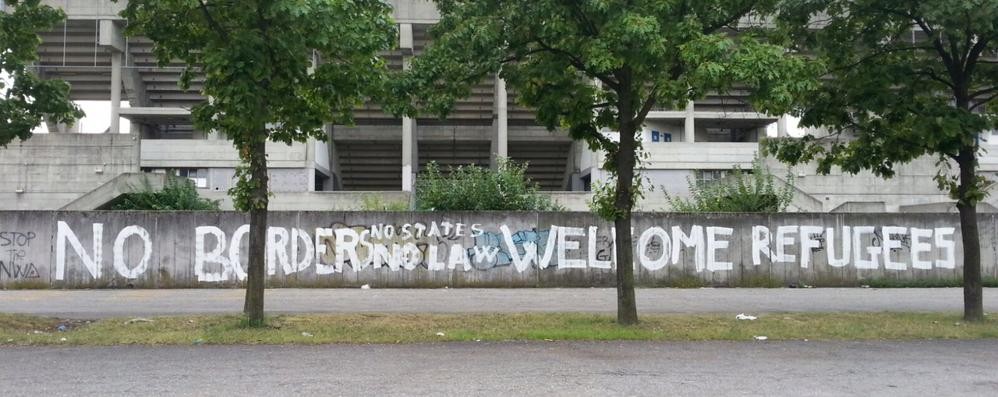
117, 303
928, 368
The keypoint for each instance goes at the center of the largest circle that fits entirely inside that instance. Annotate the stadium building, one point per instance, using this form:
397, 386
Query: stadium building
139, 127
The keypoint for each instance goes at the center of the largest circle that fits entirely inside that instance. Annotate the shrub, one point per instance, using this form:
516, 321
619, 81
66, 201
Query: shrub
738, 192
472, 188
176, 195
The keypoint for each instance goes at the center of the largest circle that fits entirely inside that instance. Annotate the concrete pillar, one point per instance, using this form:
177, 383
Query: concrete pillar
334, 159
782, 127
406, 42
409, 165
500, 124
410, 139
212, 135
116, 63
689, 130
112, 38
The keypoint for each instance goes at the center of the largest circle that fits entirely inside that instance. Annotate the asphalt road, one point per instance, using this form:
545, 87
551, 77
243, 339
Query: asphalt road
929, 368
88, 304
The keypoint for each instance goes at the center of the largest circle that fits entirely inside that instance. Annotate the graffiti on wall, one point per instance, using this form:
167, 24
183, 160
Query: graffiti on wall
446, 246
14, 261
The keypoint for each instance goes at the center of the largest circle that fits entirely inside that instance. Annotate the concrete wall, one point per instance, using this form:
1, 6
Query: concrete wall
913, 186
208, 153
49, 171
332, 249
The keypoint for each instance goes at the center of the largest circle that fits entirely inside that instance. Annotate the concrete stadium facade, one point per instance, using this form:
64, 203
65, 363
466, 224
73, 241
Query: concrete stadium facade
382, 155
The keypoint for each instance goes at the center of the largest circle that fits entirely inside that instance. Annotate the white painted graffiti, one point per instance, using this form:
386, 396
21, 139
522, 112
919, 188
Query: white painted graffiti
448, 246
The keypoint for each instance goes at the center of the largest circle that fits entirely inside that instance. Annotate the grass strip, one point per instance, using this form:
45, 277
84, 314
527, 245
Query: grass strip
20, 330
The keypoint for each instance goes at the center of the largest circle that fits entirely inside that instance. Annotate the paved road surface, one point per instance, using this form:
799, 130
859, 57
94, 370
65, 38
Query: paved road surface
931, 368
119, 303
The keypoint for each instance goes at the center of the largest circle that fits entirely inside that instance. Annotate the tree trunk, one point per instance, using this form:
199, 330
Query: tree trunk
627, 311
256, 272
973, 294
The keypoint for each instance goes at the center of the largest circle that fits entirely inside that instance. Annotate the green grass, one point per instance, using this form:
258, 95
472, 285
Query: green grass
422, 328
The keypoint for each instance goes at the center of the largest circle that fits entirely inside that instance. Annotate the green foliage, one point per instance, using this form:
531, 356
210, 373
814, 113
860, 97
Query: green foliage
905, 79
276, 69
603, 203
176, 195
604, 200
642, 54
374, 202
594, 65
26, 100
757, 191
472, 188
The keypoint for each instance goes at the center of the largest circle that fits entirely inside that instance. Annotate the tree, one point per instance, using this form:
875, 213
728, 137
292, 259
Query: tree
25, 99
757, 191
905, 79
260, 68
592, 65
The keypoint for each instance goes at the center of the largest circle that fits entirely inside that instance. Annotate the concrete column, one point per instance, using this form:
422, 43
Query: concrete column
410, 139
112, 38
500, 124
408, 154
689, 130
406, 42
116, 63
334, 159
212, 135
782, 127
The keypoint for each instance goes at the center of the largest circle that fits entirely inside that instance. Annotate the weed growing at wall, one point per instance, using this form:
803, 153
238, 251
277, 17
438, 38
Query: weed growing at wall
471, 188
755, 191
373, 202
177, 195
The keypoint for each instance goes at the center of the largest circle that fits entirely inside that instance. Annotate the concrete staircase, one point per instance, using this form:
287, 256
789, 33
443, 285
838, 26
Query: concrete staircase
546, 162
370, 165
104, 195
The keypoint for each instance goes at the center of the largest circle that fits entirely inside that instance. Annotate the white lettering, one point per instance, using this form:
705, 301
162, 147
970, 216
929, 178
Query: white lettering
846, 246
918, 247
760, 244
948, 246
713, 245
857, 241
784, 237
321, 234
891, 244
119, 252
594, 260
645, 240
694, 239
565, 245
93, 264
808, 243
215, 256
277, 249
